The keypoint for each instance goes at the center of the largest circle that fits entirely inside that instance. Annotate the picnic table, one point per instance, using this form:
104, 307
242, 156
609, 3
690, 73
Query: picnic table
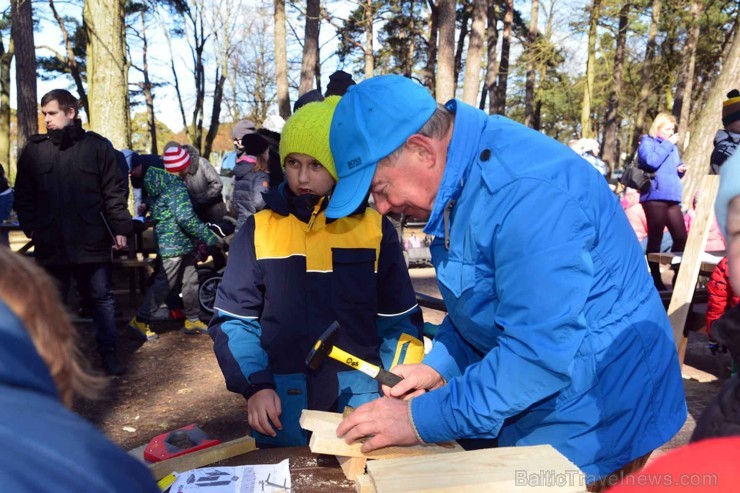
10, 227
709, 260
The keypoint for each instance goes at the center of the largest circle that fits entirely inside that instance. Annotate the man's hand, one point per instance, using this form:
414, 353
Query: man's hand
417, 379
681, 168
385, 421
121, 242
263, 407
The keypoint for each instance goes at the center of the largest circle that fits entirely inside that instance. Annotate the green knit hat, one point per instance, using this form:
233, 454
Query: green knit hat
307, 132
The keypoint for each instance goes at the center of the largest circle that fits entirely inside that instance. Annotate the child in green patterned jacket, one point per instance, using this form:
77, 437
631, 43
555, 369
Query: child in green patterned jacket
177, 229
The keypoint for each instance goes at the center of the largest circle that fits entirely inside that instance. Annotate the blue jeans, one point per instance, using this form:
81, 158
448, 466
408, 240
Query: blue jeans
6, 205
93, 279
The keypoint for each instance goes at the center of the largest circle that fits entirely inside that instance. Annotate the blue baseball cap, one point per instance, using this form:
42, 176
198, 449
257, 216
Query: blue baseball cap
373, 119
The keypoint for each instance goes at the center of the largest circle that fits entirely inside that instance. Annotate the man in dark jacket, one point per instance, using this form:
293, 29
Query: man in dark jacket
70, 201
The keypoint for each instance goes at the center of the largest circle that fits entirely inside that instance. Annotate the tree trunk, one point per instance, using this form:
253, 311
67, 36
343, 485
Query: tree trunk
531, 65
464, 29
6, 57
588, 88
408, 63
445, 83
682, 101
310, 46
471, 83
703, 128
429, 72
25, 70
218, 95
491, 65
609, 151
107, 71
176, 82
195, 129
503, 69
281, 60
369, 48
147, 88
71, 61
646, 76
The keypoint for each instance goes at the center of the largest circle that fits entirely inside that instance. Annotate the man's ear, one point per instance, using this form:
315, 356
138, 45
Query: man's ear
423, 147
72, 114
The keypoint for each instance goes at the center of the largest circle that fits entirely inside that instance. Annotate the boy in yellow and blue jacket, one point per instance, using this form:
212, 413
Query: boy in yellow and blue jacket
291, 273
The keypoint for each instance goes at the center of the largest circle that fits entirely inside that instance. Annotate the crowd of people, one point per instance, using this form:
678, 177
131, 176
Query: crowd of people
536, 344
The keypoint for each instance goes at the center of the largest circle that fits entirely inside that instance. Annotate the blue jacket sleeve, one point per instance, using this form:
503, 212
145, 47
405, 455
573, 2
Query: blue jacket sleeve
543, 271
653, 153
450, 354
398, 312
235, 328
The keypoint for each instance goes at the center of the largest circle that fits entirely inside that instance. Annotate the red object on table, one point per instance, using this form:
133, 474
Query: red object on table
178, 442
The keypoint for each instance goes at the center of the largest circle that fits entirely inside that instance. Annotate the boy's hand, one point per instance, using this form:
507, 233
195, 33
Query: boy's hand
263, 407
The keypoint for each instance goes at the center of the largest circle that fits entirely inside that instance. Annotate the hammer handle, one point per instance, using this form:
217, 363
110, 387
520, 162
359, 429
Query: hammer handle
387, 378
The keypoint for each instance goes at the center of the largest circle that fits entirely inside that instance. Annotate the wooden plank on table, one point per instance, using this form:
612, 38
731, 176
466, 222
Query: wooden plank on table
691, 373
324, 440
202, 457
352, 467
364, 484
683, 291
538, 468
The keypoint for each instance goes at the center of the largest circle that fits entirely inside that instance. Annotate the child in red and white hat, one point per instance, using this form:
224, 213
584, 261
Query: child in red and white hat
177, 229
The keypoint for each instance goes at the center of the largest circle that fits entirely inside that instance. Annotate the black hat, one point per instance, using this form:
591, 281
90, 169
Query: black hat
339, 82
254, 144
309, 97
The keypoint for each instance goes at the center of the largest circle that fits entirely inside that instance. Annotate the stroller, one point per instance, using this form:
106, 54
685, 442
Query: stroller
211, 273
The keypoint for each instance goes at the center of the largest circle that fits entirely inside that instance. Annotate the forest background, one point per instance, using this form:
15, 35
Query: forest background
151, 71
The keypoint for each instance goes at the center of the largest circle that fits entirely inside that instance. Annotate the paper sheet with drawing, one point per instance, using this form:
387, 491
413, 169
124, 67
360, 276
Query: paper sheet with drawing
270, 478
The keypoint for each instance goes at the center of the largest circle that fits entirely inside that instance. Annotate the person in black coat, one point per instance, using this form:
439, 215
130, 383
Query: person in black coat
70, 201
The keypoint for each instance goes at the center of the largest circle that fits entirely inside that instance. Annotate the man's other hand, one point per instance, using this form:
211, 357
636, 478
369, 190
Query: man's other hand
385, 421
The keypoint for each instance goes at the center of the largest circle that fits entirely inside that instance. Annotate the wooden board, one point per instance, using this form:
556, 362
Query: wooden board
352, 467
683, 291
533, 469
202, 457
364, 484
691, 373
324, 440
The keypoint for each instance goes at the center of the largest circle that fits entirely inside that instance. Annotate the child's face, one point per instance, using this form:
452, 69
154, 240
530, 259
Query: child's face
306, 175
734, 127
733, 242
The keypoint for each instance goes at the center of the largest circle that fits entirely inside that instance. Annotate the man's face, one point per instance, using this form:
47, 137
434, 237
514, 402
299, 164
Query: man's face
733, 242
408, 186
55, 118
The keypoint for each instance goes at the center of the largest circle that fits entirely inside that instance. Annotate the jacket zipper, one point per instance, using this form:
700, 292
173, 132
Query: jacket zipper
315, 213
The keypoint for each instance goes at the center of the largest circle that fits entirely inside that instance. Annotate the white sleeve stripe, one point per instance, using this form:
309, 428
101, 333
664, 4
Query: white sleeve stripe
234, 314
397, 314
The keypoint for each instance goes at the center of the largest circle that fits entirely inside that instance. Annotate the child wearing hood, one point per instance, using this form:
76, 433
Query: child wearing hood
291, 273
727, 139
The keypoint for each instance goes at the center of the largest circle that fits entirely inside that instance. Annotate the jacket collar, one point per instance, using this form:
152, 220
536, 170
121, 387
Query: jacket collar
284, 202
67, 136
466, 134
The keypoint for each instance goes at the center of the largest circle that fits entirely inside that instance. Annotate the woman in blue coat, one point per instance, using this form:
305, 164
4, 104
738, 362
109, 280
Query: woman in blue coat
662, 203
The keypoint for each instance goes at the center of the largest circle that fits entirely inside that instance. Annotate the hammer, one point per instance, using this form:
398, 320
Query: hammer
325, 347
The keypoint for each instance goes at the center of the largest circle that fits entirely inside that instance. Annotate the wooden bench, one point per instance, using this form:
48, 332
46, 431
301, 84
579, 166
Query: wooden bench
138, 272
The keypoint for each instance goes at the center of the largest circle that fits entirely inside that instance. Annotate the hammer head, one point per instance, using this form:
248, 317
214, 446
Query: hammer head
323, 346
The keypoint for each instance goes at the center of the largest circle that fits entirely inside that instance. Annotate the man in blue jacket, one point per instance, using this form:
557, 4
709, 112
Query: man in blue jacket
554, 331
